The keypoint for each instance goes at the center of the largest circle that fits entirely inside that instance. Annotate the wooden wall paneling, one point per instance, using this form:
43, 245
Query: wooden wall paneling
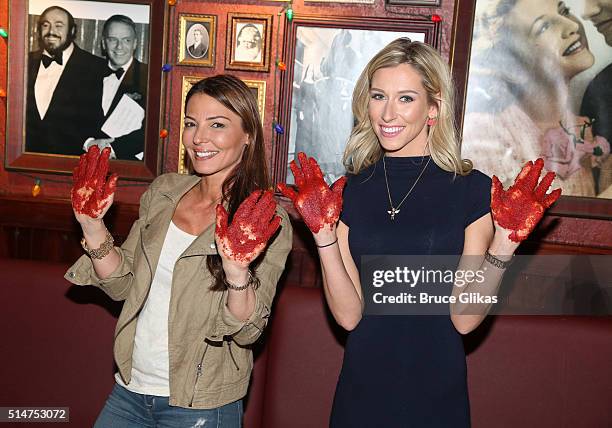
45, 229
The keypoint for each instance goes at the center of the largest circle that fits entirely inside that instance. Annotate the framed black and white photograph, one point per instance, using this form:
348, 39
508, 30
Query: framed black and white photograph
85, 77
539, 84
197, 34
324, 59
248, 42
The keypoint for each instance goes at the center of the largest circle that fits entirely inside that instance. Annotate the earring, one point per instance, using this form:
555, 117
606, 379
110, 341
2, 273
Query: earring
431, 121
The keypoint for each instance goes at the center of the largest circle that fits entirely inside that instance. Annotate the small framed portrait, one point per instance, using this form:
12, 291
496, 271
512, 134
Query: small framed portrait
197, 36
248, 42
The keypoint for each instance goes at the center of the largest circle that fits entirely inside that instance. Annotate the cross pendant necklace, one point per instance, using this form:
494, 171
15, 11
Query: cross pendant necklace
395, 210
392, 212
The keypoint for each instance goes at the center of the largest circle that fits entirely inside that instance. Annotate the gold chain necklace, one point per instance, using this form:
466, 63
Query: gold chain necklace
395, 210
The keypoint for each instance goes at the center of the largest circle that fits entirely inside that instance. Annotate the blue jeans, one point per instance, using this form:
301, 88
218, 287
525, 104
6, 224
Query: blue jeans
127, 409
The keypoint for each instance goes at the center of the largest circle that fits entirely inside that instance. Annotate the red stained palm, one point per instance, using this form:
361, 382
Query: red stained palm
318, 204
91, 193
252, 226
522, 206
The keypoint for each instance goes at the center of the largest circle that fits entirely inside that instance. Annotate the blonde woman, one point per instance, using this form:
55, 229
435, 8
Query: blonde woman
408, 193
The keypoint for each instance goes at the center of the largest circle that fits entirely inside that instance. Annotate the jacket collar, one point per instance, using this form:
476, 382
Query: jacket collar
204, 244
176, 191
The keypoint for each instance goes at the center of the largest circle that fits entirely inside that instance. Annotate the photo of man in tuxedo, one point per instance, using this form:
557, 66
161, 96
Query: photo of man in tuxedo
199, 47
64, 83
124, 88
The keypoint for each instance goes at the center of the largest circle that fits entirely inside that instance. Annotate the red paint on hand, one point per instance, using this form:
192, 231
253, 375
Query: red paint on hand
522, 206
318, 204
91, 192
252, 226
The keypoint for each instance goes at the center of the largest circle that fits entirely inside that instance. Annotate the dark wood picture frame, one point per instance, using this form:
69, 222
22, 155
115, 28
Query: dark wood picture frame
430, 30
18, 159
233, 21
461, 44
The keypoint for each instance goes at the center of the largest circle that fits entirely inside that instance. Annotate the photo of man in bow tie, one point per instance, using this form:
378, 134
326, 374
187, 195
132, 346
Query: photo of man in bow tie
124, 88
64, 86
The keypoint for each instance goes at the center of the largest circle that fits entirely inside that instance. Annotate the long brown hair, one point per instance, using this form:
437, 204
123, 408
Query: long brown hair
252, 171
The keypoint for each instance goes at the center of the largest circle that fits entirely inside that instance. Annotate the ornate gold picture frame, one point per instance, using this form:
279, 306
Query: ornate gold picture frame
197, 40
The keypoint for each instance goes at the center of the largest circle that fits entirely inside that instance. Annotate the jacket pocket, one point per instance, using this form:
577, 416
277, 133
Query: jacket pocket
198, 373
236, 362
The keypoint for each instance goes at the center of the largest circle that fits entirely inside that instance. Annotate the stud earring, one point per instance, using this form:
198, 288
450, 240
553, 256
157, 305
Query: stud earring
431, 121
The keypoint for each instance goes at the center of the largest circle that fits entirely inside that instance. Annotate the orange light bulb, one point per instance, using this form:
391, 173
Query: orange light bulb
36, 189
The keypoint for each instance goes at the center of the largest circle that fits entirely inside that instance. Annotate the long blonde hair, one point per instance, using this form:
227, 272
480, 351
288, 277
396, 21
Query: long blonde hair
363, 148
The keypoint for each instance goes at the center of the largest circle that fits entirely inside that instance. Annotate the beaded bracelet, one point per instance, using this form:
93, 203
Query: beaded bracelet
104, 248
498, 263
251, 282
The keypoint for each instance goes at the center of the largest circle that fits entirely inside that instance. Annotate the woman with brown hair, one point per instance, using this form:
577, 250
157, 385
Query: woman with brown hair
198, 271
410, 193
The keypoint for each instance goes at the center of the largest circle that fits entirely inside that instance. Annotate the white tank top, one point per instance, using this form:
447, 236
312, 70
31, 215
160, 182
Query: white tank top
150, 366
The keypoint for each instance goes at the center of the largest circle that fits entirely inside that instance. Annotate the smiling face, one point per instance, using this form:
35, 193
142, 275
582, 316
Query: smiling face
119, 42
213, 136
398, 110
555, 35
55, 31
249, 38
600, 13
197, 36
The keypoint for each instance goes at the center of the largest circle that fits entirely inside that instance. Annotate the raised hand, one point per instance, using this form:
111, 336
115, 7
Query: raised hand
318, 204
91, 194
521, 207
252, 226
102, 143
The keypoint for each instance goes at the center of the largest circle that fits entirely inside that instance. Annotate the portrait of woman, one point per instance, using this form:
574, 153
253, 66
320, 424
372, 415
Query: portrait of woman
525, 54
248, 43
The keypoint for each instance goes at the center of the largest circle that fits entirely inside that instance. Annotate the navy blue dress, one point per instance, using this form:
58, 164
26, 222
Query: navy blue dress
407, 371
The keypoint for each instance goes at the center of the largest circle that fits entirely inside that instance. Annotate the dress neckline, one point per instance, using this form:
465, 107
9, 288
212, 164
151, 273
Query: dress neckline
405, 163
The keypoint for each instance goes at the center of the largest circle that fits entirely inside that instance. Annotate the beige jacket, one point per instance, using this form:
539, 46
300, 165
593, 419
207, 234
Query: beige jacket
209, 354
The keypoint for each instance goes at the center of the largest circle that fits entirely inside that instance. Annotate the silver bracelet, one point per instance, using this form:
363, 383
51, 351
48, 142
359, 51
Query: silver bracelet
252, 281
